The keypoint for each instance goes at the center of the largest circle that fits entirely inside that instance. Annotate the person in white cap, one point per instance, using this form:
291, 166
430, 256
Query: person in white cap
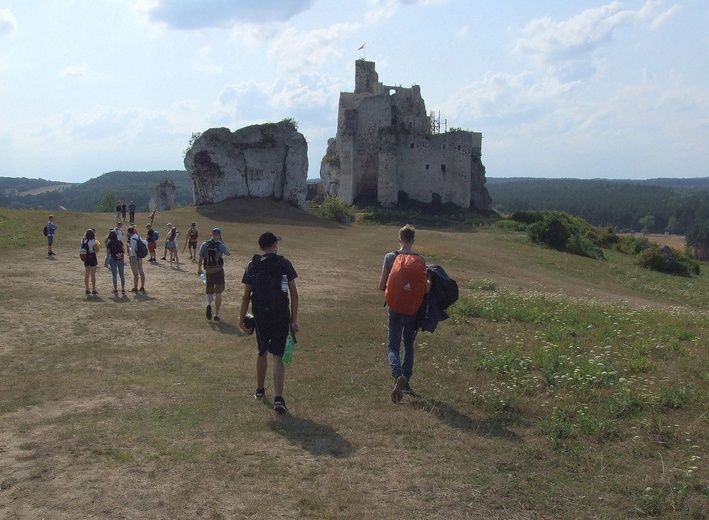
210, 256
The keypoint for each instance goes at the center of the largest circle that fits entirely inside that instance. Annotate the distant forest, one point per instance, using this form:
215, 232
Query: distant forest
674, 205
89, 195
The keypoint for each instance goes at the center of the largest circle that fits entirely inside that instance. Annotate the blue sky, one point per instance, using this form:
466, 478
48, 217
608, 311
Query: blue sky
558, 88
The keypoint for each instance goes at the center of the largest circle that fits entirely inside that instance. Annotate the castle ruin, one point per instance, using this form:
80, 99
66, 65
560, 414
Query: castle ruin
387, 147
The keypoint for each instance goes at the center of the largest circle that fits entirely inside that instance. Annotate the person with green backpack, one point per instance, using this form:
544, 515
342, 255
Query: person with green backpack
268, 280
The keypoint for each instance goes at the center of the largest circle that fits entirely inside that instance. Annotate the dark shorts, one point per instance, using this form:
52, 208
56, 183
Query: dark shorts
91, 261
271, 337
215, 282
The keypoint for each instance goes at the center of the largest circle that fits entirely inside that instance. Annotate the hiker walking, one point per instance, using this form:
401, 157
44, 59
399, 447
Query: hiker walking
115, 249
210, 257
118, 211
123, 210
152, 237
267, 280
131, 212
192, 235
90, 246
136, 263
405, 281
51, 228
171, 244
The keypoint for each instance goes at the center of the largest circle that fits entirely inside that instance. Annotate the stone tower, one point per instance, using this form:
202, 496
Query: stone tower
385, 146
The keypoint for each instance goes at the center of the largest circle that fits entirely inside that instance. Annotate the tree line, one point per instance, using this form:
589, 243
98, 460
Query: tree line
94, 194
625, 205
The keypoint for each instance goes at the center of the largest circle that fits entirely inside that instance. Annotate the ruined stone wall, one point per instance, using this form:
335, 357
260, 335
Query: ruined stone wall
384, 146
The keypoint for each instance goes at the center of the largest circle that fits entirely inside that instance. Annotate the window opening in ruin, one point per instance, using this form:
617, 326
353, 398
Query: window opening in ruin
459, 148
412, 145
444, 146
427, 166
443, 168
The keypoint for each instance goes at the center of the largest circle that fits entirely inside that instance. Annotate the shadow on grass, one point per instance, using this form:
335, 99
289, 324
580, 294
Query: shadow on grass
258, 210
498, 428
226, 328
317, 439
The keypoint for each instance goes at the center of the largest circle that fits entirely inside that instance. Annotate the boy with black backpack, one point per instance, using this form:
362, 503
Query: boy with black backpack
210, 255
405, 281
267, 281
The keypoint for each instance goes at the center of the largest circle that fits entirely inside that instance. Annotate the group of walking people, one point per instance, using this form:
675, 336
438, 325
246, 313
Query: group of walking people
268, 280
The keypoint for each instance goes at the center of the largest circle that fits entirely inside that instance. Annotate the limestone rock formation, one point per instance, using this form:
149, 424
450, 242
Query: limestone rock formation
163, 196
387, 146
268, 161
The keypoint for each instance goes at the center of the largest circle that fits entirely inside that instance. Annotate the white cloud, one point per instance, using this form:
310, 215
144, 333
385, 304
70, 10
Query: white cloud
82, 71
8, 27
385, 9
567, 47
178, 14
299, 52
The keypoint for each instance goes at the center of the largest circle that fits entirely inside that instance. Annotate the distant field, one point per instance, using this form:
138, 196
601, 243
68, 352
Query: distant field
46, 189
674, 241
560, 387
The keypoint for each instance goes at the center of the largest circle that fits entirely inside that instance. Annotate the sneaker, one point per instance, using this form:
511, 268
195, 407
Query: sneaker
259, 393
279, 405
134, 289
209, 312
123, 291
142, 289
163, 258
94, 293
398, 390
216, 318
407, 389
115, 291
88, 292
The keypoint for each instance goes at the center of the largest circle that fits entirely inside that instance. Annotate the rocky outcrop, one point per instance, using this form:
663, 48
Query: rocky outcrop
268, 161
163, 196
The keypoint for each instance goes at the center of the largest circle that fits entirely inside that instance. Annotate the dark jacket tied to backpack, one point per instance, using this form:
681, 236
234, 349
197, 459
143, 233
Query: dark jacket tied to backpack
443, 294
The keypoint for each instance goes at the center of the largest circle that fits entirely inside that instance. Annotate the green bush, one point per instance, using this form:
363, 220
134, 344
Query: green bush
631, 245
528, 217
334, 208
552, 231
654, 259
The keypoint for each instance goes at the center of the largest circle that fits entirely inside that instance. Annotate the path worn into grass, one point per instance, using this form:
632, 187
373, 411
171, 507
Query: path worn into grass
52, 330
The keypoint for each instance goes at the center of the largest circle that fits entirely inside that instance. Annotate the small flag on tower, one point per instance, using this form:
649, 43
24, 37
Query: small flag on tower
361, 46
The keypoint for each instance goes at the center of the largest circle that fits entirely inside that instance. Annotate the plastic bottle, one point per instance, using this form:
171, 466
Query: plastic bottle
288, 353
203, 277
284, 283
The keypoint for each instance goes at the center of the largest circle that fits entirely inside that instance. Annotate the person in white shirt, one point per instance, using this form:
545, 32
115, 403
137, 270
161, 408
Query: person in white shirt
136, 264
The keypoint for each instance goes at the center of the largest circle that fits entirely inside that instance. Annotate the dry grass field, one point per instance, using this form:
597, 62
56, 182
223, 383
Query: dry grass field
137, 407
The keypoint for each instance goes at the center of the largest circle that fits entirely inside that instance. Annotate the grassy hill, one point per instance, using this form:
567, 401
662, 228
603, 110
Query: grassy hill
561, 387
86, 196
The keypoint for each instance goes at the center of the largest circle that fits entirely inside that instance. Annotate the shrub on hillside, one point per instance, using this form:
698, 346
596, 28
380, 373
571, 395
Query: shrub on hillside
632, 245
667, 260
552, 230
334, 208
528, 217
565, 232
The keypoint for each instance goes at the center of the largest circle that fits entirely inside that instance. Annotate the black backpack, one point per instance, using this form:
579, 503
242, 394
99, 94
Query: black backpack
46, 231
213, 255
269, 302
141, 249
